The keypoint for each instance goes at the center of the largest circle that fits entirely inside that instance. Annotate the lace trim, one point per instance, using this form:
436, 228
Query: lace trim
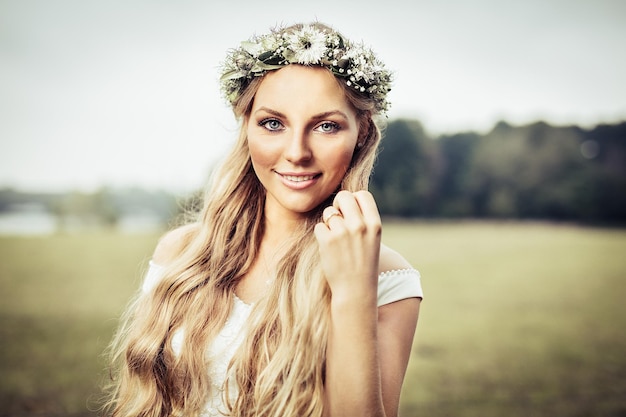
403, 271
241, 302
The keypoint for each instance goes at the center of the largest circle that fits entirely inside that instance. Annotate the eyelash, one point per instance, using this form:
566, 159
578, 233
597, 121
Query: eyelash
334, 126
264, 123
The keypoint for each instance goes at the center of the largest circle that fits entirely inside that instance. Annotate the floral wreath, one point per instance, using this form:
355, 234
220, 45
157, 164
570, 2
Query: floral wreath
306, 45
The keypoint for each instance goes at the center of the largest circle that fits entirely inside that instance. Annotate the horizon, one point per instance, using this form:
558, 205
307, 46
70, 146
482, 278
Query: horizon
185, 191
127, 94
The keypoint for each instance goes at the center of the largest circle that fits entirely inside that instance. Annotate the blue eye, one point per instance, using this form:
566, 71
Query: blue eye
328, 127
271, 124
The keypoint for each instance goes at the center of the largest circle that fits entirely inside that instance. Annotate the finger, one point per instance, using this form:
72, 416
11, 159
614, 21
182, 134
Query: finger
329, 213
367, 206
346, 203
321, 232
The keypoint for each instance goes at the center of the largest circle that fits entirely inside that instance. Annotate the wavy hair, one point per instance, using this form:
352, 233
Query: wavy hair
279, 368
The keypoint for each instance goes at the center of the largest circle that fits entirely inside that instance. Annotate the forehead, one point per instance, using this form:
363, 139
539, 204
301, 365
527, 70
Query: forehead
298, 88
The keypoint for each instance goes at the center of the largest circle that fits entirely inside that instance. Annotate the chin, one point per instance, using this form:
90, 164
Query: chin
303, 208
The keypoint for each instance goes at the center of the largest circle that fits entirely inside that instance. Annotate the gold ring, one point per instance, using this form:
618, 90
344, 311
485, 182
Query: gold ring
330, 216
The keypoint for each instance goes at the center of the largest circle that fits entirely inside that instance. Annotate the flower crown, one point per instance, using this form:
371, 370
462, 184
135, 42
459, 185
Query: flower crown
306, 45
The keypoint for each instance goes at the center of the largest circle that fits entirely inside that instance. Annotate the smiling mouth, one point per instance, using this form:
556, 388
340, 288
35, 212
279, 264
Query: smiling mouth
299, 178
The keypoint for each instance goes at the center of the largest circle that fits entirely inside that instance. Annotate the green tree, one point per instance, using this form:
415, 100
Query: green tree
405, 176
456, 153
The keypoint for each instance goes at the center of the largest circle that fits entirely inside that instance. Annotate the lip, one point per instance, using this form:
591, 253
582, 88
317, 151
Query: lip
298, 180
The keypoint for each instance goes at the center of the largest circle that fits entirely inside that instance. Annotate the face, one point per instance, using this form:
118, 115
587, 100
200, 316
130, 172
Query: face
302, 133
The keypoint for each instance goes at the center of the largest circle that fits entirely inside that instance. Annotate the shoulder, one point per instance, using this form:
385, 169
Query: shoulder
390, 260
397, 279
172, 243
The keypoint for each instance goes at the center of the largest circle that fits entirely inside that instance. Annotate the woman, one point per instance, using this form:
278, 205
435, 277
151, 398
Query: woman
279, 300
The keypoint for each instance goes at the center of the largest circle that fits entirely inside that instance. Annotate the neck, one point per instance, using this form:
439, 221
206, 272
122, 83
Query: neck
275, 242
278, 231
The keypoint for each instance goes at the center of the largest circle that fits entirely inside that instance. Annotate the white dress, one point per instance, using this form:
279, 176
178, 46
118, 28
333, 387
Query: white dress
392, 286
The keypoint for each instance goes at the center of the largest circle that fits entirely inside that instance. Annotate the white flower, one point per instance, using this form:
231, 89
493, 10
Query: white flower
353, 62
308, 45
252, 48
271, 42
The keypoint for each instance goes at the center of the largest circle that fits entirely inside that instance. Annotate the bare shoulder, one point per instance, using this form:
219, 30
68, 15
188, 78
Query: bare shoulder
172, 243
391, 260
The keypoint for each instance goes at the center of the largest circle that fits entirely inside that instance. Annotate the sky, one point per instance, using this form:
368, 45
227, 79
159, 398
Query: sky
125, 92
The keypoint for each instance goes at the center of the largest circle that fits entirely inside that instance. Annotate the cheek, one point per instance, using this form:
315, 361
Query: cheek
260, 155
341, 161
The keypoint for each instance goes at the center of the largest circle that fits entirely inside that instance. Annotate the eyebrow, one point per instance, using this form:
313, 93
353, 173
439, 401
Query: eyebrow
315, 117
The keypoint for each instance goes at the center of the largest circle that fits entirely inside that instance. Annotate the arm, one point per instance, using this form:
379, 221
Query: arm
396, 328
368, 347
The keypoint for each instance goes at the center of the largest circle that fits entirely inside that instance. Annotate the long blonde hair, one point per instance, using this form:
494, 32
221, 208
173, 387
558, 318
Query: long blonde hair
279, 368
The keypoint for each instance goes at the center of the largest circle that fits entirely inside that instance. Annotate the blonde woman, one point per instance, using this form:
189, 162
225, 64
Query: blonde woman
279, 300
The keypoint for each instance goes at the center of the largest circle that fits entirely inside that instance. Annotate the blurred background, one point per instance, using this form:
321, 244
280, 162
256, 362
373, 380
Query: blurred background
502, 178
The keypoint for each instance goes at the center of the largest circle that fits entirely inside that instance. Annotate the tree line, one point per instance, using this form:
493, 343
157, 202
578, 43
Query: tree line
534, 171
104, 207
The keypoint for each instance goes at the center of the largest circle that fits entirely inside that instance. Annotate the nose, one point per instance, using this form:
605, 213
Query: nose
297, 149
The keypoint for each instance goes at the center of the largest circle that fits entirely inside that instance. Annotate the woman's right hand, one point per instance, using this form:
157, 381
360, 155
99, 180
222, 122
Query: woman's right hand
349, 245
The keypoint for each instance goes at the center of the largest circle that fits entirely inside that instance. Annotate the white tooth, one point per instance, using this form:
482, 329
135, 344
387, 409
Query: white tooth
298, 179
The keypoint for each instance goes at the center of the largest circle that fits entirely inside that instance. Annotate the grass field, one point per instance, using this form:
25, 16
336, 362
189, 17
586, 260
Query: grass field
520, 319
